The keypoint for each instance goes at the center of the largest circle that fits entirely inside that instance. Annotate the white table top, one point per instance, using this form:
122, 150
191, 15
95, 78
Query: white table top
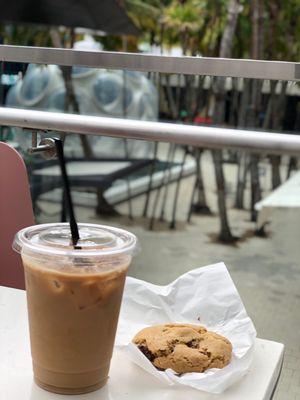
127, 381
286, 195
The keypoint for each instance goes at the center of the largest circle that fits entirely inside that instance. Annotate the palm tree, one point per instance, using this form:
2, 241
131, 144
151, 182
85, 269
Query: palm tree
183, 19
147, 16
226, 46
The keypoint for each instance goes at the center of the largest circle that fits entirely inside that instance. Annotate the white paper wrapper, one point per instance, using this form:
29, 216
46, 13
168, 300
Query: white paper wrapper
205, 296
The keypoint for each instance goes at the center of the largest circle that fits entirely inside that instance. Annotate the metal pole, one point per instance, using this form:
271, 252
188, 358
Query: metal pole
199, 136
256, 69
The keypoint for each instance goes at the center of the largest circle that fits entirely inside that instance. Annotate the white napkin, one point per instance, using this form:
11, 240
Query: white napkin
205, 296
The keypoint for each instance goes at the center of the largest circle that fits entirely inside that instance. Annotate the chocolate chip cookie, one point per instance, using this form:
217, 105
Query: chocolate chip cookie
183, 347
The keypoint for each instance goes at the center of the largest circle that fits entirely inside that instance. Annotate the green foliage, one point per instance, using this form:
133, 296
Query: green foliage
145, 14
195, 25
25, 35
282, 30
242, 39
198, 25
188, 16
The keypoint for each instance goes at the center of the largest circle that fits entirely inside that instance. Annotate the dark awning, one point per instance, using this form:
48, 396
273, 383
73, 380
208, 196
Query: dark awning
104, 15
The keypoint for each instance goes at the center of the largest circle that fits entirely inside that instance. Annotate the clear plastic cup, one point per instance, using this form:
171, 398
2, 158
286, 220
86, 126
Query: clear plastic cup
73, 298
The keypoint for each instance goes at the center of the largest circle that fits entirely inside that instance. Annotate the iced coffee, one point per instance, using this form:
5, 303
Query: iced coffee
74, 298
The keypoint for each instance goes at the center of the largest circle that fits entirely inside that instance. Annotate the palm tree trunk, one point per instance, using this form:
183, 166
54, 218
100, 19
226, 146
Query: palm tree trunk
277, 119
225, 234
252, 122
234, 103
256, 53
242, 157
275, 164
171, 100
177, 188
241, 180
255, 185
199, 95
150, 184
167, 179
275, 160
70, 99
292, 166
200, 206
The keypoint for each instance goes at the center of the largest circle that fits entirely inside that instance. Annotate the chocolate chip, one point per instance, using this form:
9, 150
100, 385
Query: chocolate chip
147, 352
56, 284
205, 352
193, 344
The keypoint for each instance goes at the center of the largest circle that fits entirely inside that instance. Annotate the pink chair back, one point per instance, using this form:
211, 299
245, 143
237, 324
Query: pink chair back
15, 213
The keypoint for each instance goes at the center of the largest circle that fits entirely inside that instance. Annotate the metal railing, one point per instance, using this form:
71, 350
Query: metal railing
239, 68
208, 137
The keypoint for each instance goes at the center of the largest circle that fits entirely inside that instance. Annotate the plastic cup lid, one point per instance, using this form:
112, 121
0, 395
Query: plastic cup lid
56, 239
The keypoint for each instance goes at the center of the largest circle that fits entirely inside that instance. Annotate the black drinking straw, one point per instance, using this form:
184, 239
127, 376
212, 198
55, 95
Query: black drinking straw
68, 198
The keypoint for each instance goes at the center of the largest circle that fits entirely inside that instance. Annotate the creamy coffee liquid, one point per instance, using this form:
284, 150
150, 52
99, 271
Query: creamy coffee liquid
74, 296
73, 315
